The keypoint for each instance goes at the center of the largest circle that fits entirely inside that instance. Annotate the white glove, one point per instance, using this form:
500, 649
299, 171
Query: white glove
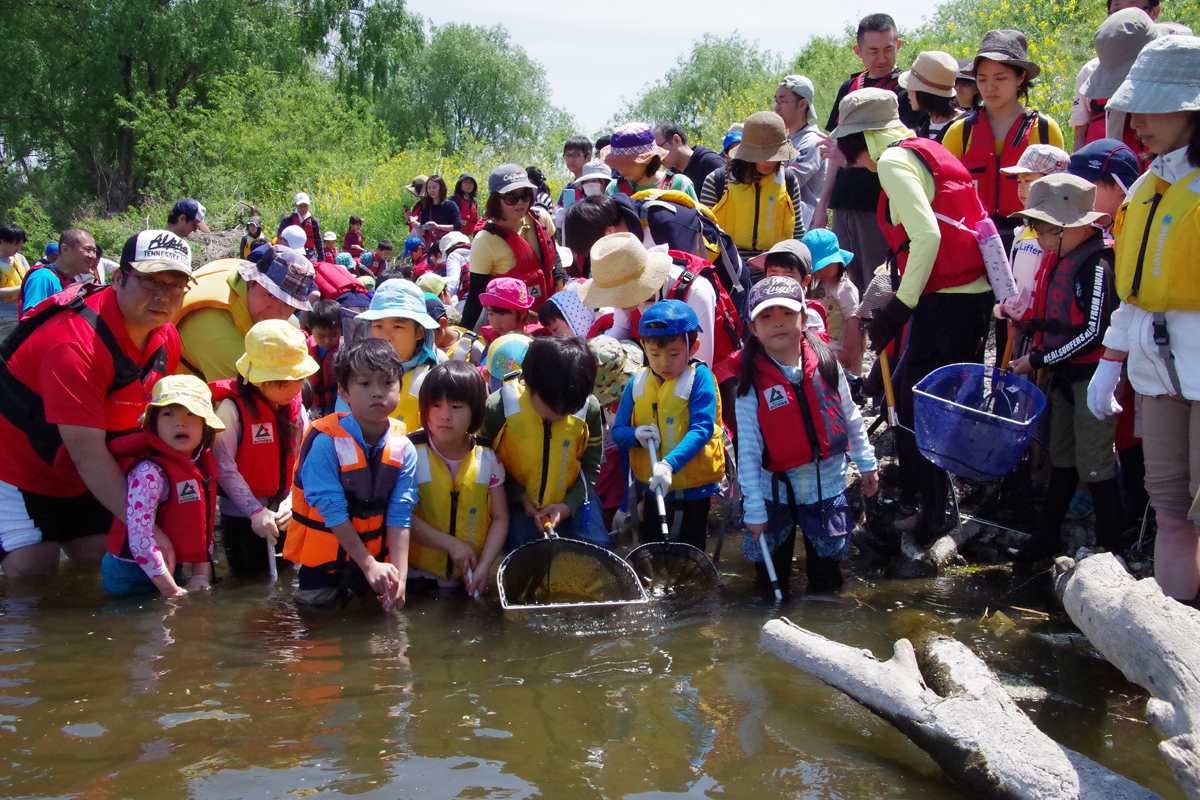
660, 477
646, 434
560, 216
1102, 390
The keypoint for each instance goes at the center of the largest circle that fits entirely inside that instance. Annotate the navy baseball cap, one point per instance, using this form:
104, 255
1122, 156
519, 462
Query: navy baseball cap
191, 210
434, 307
1105, 157
668, 318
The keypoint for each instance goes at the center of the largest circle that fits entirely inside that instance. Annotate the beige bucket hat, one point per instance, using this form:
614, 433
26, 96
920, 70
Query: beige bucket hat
764, 138
1062, 199
867, 110
933, 72
1164, 79
1118, 41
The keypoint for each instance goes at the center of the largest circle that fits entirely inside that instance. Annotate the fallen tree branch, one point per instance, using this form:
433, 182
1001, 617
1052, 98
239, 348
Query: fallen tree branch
966, 722
1152, 639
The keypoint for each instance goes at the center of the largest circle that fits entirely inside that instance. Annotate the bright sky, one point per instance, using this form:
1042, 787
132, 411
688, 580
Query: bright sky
600, 54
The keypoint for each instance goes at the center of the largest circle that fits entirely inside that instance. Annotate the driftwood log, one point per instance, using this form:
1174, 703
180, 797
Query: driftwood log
1152, 639
962, 717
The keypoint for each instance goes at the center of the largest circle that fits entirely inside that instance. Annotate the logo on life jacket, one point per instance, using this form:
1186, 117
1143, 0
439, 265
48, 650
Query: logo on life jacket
264, 433
775, 396
187, 491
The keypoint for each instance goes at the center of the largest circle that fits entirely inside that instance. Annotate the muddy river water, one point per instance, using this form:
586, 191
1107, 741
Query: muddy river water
238, 695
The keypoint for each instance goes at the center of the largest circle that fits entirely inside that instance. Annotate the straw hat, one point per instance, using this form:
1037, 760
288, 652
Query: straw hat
632, 144
1008, 47
1164, 79
276, 351
867, 110
623, 272
933, 72
1118, 41
619, 360
417, 186
191, 393
1064, 199
764, 138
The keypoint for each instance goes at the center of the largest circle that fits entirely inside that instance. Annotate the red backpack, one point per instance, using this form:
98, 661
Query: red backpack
727, 337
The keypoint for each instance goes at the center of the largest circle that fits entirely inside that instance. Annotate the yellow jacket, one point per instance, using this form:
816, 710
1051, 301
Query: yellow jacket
1158, 245
459, 505
665, 405
543, 456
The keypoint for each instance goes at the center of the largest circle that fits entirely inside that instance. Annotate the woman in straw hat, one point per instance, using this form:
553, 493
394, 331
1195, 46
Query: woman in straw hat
756, 198
930, 85
638, 160
1156, 330
927, 215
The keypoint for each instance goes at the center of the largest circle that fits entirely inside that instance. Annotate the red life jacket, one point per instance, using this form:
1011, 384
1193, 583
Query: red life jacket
958, 209
821, 311
309, 224
26, 410
999, 196
1098, 129
263, 460
535, 270
468, 213
324, 382
186, 517
890, 82
782, 417
727, 335
334, 280
1058, 318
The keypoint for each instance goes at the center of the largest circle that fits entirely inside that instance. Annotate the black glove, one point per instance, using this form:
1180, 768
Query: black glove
888, 323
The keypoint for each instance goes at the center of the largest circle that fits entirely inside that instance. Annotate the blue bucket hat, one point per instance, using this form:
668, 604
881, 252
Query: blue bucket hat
344, 260
1105, 157
668, 318
399, 298
412, 243
825, 249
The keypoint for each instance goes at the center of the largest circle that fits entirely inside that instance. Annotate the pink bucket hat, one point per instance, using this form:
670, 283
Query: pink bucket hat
507, 293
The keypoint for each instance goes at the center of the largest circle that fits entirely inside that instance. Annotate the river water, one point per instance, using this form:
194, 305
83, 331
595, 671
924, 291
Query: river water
236, 694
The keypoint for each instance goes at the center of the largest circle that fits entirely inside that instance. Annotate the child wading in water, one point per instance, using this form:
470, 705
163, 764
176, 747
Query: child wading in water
264, 422
795, 418
461, 518
170, 469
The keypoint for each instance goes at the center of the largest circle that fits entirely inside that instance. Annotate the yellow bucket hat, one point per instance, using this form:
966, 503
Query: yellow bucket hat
187, 391
275, 351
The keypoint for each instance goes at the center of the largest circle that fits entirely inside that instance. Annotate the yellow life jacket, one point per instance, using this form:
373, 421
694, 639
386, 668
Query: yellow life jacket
543, 456
368, 484
463, 348
459, 504
13, 275
1158, 245
665, 405
757, 215
408, 411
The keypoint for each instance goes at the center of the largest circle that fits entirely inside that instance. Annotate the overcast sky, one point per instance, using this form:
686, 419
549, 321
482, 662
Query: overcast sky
598, 55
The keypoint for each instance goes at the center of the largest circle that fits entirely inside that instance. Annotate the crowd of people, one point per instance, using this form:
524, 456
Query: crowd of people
391, 417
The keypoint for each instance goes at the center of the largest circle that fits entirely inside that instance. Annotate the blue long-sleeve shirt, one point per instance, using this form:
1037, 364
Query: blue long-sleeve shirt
702, 416
323, 490
756, 490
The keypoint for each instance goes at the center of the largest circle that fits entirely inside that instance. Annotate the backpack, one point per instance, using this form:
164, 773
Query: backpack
727, 338
714, 244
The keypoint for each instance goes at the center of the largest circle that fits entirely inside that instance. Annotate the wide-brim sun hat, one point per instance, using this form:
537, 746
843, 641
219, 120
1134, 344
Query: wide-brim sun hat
284, 273
510, 293
867, 110
632, 144
934, 72
825, 248
624, 274
276, 351
618, 362
764, 138
1118, 41
417, 187
187, 391
1064, 199
1006, 46
1164, 79
399, 298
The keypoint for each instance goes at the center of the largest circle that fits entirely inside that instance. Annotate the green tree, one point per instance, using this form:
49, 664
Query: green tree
470, 82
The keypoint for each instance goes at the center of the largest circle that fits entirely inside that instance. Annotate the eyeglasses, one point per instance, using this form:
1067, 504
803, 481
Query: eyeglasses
512, 198
1043, 228
157, 287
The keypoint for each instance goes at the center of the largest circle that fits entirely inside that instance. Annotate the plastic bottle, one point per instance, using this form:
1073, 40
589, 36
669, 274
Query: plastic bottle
999, 271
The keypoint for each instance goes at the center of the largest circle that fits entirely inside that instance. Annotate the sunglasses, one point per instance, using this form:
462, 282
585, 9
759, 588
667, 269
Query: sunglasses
512, 198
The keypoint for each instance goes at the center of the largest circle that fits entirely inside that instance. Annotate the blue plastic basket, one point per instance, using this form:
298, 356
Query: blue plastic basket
974, 420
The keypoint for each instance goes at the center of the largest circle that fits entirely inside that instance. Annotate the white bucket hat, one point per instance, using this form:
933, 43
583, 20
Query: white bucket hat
1164, 79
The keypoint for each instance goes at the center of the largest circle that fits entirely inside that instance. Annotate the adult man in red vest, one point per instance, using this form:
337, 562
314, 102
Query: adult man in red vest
78, 372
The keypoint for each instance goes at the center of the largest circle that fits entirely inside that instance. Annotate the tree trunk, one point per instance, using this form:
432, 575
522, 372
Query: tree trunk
963, 718
1152, 639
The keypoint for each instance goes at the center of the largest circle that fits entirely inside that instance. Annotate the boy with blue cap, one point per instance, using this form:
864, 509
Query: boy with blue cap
673, 403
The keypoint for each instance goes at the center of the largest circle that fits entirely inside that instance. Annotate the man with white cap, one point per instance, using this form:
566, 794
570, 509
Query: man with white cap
77, 372
314, 248
794, 103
